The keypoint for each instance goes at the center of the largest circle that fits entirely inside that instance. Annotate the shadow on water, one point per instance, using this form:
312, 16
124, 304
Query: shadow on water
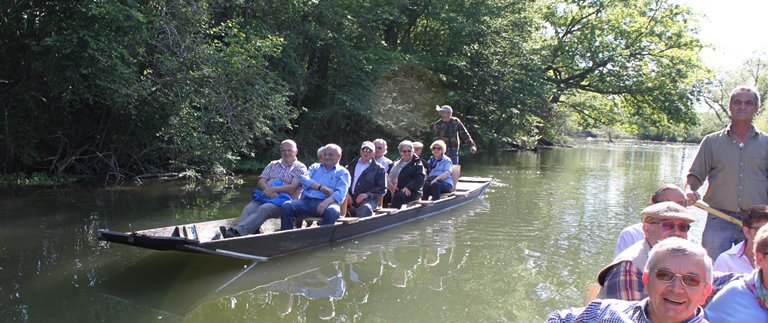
303, 286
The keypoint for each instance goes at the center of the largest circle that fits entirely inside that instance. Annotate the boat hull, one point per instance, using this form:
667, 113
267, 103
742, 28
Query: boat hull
197, 237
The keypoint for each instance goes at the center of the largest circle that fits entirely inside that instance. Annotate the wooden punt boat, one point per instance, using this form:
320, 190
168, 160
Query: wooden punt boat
198, 237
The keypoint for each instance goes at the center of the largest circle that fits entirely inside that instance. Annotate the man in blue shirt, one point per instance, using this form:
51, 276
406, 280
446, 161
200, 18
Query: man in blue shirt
325, 186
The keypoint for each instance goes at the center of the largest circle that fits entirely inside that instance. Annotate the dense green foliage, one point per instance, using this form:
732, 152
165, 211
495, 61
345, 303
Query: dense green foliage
123, 88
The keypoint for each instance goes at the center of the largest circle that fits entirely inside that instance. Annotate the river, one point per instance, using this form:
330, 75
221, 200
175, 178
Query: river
531, 245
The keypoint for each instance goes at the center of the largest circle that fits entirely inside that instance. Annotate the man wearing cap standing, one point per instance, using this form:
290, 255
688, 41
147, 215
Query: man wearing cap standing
450, 129
367, 181
623, 278
735, 163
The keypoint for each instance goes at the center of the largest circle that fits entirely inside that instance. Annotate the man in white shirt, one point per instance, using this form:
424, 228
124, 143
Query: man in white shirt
740, 258
634, 233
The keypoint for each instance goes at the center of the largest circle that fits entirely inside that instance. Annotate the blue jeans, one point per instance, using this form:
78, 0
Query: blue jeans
720, 235
305, 208
366, 208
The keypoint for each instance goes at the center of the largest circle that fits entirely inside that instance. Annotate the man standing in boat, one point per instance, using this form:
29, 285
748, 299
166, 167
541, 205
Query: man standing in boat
325, 186
450, 129
368, 179
735, 162
280, 176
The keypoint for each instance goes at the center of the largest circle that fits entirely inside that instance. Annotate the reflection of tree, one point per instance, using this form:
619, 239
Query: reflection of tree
49, 238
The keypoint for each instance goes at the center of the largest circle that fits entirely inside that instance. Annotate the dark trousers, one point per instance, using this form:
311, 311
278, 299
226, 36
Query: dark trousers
434, 190
399, 198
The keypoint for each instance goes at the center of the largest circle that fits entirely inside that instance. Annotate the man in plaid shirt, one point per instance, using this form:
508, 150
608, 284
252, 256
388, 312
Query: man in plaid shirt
677, 279
622, 279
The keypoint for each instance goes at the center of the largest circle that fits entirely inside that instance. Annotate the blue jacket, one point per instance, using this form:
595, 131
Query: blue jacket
372, 180
282, 197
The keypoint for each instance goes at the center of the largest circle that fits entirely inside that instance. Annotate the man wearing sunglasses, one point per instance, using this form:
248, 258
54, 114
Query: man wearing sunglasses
677, 278
634, 233
623, 278
368, 181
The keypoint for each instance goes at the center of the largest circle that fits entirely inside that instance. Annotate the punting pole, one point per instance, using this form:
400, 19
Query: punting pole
222, 252
726, 217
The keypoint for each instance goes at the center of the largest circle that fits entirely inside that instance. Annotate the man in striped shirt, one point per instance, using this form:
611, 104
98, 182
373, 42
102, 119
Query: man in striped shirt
287, 171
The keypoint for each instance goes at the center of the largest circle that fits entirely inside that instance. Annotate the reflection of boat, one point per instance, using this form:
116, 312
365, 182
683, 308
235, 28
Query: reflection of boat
197, 237
297, 287
178, 283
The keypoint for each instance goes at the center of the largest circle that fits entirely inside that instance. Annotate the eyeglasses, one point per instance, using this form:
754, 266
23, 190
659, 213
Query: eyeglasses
366, 149
669, 225
405, 151
668, 276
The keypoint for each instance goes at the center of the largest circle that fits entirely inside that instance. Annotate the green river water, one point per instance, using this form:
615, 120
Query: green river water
531, 245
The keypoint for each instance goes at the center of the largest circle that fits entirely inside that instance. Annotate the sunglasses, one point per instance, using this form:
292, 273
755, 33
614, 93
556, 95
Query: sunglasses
669, 225
667, 276
366, 149
405, 151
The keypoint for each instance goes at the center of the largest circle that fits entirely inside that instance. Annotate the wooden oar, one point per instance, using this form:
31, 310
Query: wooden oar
726, 217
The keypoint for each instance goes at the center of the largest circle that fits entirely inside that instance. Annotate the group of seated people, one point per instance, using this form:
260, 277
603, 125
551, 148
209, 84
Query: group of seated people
288, 190
659, 275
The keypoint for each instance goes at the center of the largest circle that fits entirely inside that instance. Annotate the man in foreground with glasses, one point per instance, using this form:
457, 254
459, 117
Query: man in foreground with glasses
677, 279
623, 278
368, 185
744, 300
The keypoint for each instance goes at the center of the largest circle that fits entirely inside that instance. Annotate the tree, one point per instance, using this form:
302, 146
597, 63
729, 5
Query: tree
641, 56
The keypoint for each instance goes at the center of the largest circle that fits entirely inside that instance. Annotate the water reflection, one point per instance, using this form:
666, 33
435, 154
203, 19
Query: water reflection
303, 287
543, 229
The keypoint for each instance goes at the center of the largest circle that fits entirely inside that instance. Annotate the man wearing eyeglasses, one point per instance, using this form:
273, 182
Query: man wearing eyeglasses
280, 176
368, 178
677, 279
733, 161
623, 278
